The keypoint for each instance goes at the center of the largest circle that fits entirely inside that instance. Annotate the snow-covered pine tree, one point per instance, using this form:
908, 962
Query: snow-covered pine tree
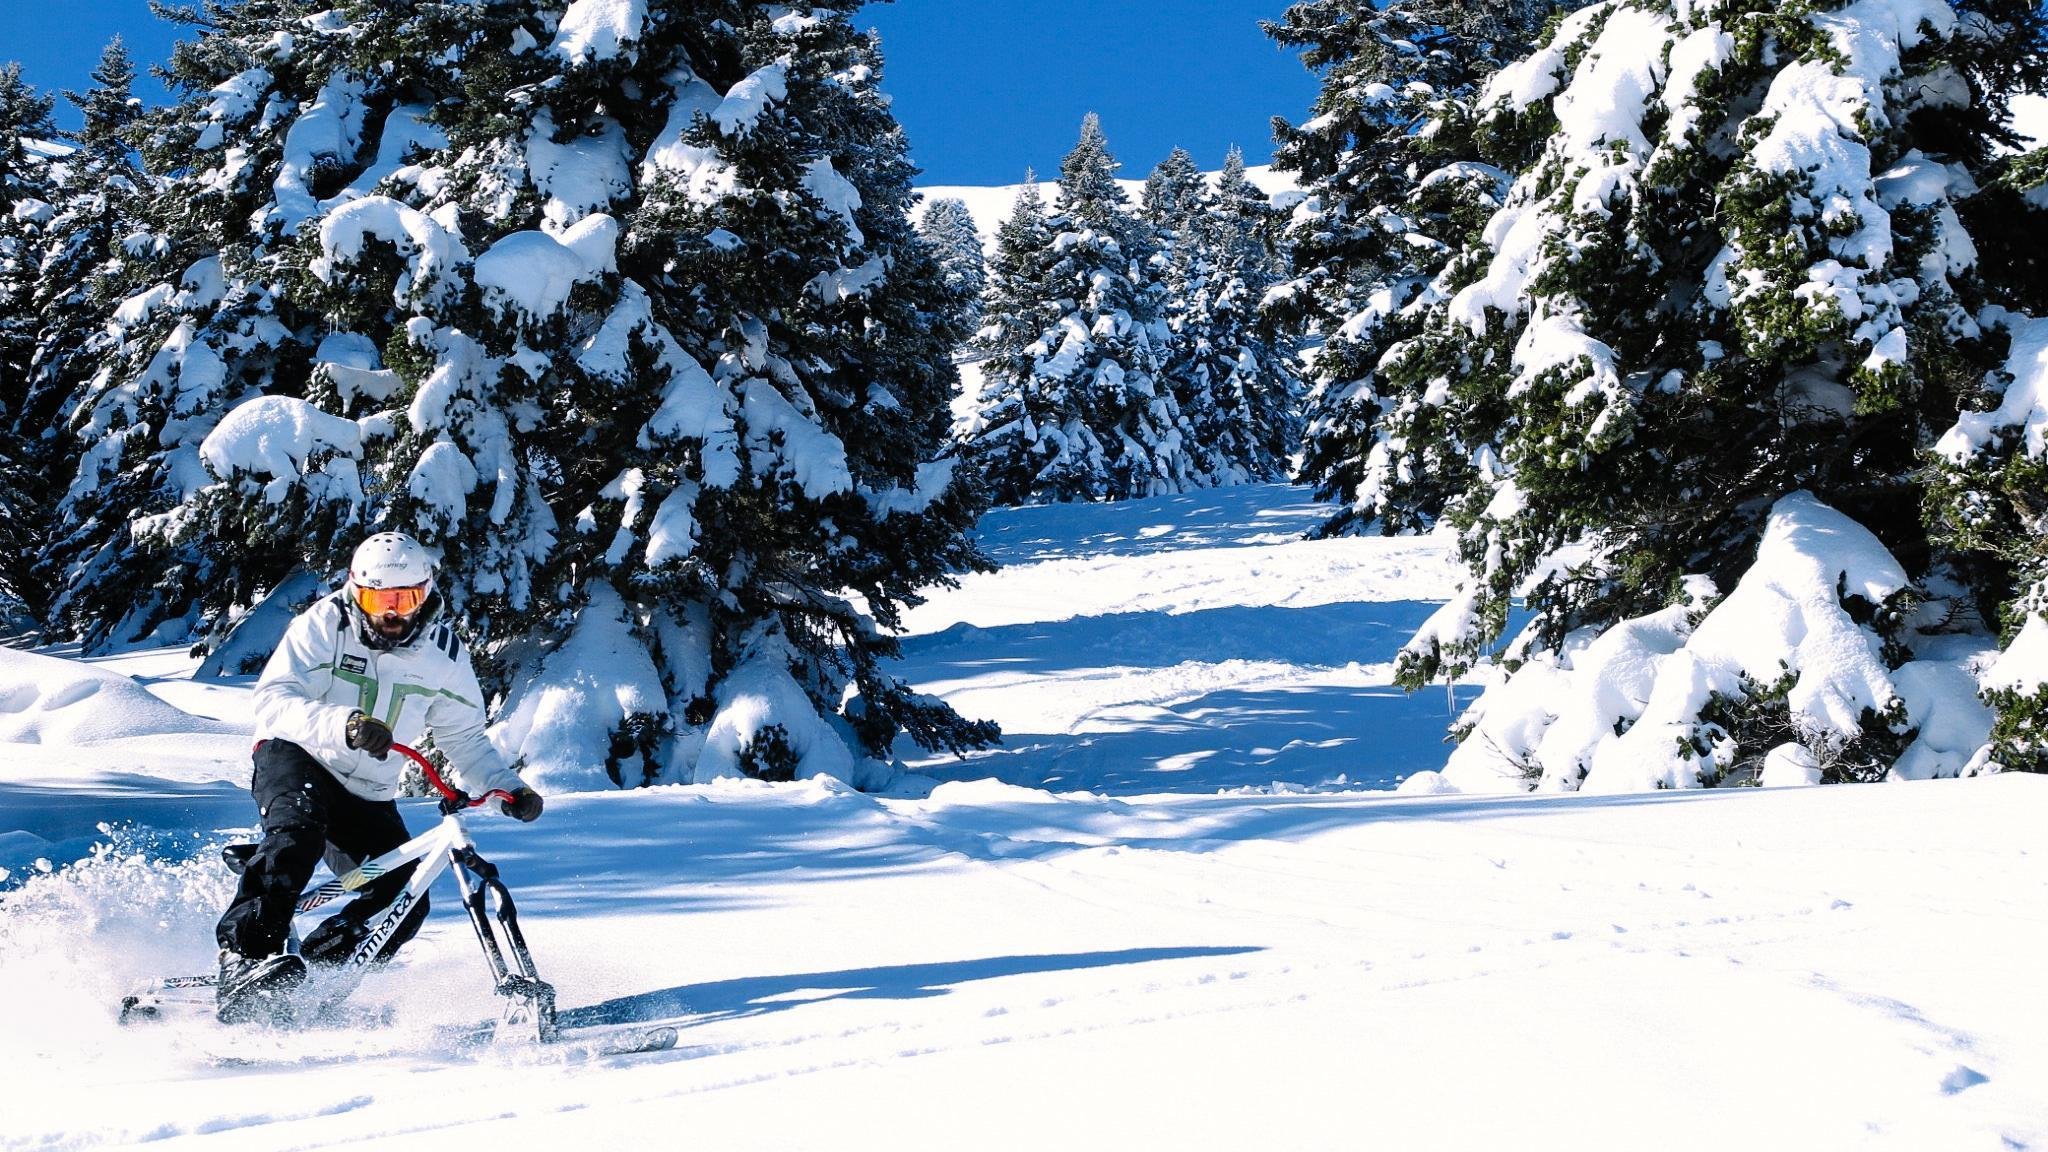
95, 192
1394, 185
949, 228
26, 191
196, 312
1176, 201
27, 134
1988, 498
1239, 392
1014, 312
1726, 308
1174, 197
619, 308
831, 329
1072, 406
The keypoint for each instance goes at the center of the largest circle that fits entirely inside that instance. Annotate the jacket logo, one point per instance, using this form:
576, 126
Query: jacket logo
355, 664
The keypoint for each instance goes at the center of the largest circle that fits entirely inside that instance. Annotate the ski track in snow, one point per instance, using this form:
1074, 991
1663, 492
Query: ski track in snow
1194, 938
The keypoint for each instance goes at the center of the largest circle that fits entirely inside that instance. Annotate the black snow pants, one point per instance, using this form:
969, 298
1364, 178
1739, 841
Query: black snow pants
308, 816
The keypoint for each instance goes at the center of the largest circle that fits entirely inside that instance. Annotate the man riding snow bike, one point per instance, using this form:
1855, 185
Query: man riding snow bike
361, 670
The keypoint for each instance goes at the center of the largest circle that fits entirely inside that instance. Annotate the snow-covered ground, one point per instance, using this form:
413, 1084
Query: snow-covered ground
2030, 117
1226, 941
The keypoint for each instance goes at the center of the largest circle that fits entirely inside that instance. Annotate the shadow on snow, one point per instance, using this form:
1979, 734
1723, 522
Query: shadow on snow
682, 856
1327, 635
1368, 736
1363, 737
760, 995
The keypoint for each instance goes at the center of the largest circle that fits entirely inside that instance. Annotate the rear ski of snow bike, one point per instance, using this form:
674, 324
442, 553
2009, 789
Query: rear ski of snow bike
529, 1008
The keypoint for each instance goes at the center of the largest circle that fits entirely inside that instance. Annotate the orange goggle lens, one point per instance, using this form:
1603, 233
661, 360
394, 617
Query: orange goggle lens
380, 601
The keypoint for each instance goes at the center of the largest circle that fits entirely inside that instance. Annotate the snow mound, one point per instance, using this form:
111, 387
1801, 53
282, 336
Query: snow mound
985, 794
586, 691
46, 700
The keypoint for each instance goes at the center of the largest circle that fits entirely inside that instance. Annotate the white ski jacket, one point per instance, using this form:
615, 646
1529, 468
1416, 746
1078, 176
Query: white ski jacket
323, 672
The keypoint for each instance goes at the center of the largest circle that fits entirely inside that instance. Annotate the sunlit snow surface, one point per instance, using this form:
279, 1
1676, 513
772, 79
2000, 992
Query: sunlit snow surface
1156, 965
1186, 643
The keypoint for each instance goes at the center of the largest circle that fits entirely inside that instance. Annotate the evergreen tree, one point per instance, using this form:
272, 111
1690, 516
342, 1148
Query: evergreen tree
1014, 308
1727, 306
1988, 493
1252, 424
1239, 394
949, 229
201, 316
26, 134
617, 308
1394, 185
1175, 196
1073, 406
96, 192
1176, 203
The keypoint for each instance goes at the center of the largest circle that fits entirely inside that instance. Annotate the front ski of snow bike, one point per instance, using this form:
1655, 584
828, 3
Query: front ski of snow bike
529, 1000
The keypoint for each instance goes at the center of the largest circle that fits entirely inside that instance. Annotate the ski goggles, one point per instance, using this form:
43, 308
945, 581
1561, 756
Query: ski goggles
384, 601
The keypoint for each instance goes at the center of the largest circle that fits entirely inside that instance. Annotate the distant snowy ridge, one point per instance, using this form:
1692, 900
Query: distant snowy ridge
991, 205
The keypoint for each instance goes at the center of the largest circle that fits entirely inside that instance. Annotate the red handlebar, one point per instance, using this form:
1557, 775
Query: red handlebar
450, 794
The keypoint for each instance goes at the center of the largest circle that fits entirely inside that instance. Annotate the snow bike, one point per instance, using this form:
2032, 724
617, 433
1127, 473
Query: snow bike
529, 1009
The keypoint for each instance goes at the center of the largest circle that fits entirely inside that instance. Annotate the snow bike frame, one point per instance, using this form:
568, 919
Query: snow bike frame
530, 1001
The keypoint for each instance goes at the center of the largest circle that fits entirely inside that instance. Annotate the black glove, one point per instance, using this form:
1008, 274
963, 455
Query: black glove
525, 805
366, 733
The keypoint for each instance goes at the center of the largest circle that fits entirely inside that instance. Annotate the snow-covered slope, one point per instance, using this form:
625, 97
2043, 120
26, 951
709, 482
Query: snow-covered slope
991, 205
2030, 117
1174, 960
1186, 642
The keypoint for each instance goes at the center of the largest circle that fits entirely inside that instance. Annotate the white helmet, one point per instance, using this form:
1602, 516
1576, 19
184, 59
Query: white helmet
390, 587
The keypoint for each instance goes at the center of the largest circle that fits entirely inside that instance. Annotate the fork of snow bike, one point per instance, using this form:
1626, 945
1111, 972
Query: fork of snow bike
529, 1008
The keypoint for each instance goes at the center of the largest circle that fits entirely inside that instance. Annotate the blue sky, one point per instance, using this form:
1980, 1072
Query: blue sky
984, 87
